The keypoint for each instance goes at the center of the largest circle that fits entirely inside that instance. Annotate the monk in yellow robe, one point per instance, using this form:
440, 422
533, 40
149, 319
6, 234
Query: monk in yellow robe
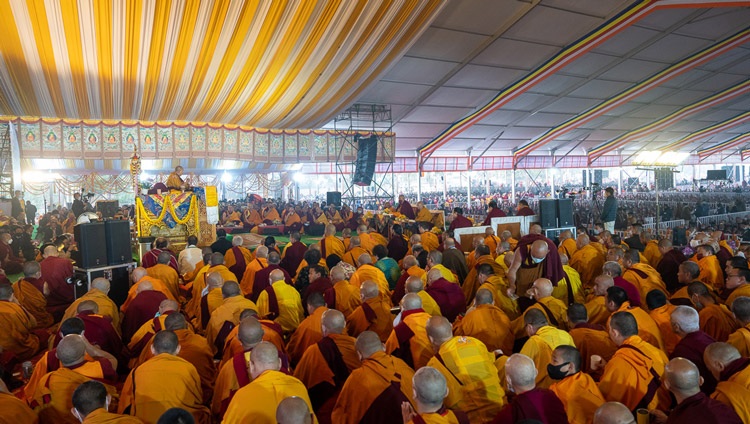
711, 273
143, 395
423, 214
430, 241
409, 340
597, 309
248, 278
14, 409
270, 214
29, 296
347, 296
144, 334
587, 260
731, 370
17, 325
474, 279
543, 339
428, 303
226, 316
99, 293
367, 272
567, 244
281, 303
715, 320
309, 331
330, 244
272, 333
211, 298
373, 314
90, 404
661, 312
230, 216
430, 390
140, 275
740, 339
487, 323
261, 398
576, 390
174, 181
648, 331
322, 370
627, 376
374, 392
193, 348
366, 241
166, 274
197, 284
251, 217
553, 309
355, 251
491, 241
652, 253
572, 276
590, 339
643, 276
238, 258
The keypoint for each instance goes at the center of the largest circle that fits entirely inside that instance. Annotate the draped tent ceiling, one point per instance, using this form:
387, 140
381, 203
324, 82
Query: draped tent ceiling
523, 83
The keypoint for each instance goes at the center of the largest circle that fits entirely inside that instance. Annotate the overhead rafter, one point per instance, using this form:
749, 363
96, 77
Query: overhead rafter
709, 131
736, 141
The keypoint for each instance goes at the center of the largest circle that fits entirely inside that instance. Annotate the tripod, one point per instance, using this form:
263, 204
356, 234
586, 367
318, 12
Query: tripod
595, 210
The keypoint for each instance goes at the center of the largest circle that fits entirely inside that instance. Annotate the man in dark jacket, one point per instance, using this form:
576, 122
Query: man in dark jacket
609, 211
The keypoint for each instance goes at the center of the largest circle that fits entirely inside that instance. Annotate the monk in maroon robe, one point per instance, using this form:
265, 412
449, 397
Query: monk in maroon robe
669, 264
494, 212
56, 271
99, 329
447, 295
293, 254
261, 280
320, 283
405, 208
143, 307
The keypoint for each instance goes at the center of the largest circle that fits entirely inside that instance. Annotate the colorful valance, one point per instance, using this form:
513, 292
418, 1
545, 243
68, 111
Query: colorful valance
168, 209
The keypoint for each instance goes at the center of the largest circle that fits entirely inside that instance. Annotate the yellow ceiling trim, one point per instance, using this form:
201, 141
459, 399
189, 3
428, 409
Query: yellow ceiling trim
72, 28
156, 55
133, 17
15, 57
103, 28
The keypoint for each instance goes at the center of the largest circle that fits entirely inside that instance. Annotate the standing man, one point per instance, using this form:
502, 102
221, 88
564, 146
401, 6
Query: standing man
609, 211
17, 207
77, 206
30, 213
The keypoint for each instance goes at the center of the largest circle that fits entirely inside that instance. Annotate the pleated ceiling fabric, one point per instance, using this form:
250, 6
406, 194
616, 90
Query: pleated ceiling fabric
263, 63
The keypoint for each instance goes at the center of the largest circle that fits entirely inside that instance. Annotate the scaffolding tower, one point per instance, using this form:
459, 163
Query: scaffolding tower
348, 126
6, 165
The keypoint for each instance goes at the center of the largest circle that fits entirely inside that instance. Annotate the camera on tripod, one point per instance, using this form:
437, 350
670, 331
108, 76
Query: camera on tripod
594, 186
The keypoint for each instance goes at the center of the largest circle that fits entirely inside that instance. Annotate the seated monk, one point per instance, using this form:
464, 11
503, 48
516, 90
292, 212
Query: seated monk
488, 280
292, 221
190, 259
587, 259
9, 262
430, 241
330, 244
251, 217
320, 283
144, 306
740, 339
374, 392
261, 277
711, 272
29, 296
15, 410
55, 272
143, 336
99, 328
430, 389
415, 285
166, 274
409, 340
647, 328
326, 365
98, 293
272, 333
52, 397
91, 403
367, 272
576, 390
543, 339
151, 257
411, 268
237, 258
140, 276
567, 244
309, 331
270, 214
469, 369
281, 303
614, 270
17, 336
613, 413
447, 295
487, 323
596, 307
373, 314
661, 311
211, 298
293, 254
175, 181
530, 402
268, 387
248, 278
553, 309
226, 316
354, 252
589, 338
642, 275
715, 320
435, 262
215, 263
732, 370
423, 214
143, 396
230, 216
197, 284
347, 297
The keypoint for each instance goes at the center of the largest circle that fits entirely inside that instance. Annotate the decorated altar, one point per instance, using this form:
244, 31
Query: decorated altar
176, 215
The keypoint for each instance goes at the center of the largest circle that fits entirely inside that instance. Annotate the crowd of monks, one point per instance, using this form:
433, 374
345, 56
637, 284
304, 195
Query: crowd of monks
373, 328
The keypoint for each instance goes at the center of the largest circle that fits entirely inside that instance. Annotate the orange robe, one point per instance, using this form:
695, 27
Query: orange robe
53, 398
366, 241
291, 219
559, 311
272, 333
627, 375
261, 397
101, 416
34, 302
471, 283
424, 215
489, 324
597, 310
428, 304
430, 241
645, 278
158, 286
652, 253
362, 395
15, 410
194, 349
91, 368
588, 261
368, 272
291, 312
198, 283
717, 321
648, 330
107, 307
499, 289
252, 217
209, 302
16, 335
325, 379
168, 276
347, 297
143, 336
353, 255
711, 272
307, 334
561, 291
590, 341
741, 340
409, 340
735, 392
224, 318
271, 214
568, 247
248, 279
492, 241
230, 260
539, 348
372, 315
743, 290
662, 318
473, 383
144, 393
580, 396
332, 245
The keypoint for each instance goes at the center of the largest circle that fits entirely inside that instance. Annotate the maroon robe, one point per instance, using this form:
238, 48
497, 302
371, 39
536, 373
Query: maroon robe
525, 211
143, 307
322, 395
536, 404
691, 347
723, 255
397, 247
406, 209
699, 408
400, 290
261, 280
668, 267
151, 258
238, 269
323, 286
634, 296
56, 271
11, 263
494, 213
449, 297
553, 269
460, 221
100, 332
293, 256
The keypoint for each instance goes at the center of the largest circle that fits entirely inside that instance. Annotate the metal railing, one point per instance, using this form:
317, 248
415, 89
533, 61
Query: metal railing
726, 217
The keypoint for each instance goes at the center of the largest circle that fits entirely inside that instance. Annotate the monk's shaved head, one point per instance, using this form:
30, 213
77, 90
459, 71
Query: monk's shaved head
439, 330
543, 288
50, 250
364, 259
71, 350
368, 290
625, 324
89, 397
430, 387
741, 309
337, 274
433, 275
214, 280
355, 241
247, 313
411, 302
217, 259
718, 356
520, 372
101, 284
613, 413
577, 313
333, 322
563, 259
250, 332
164, 258
535, 318
570, 355
144, 286
168, 305
88, 306
261, 252
175, 321
612, 269
265, 357
369, 343
31, 268
166, 341
682, 376
483, 297
410, 261
315, 300
138, 273
686, 318
293, 410
230, 289
539, 249
414, 284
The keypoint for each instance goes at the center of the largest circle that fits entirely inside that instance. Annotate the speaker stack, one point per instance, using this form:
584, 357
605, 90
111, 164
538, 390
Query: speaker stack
92, 245
333, 198
364, 167
556, 213
102, 244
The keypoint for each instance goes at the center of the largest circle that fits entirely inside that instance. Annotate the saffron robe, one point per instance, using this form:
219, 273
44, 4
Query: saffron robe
223, 319
34, 302
430, 241
208, 304
428, 304
444, 272
142, 309
347, 297
424, 215
597, 310
743, 290
158, 286
308, 333
499, 289
373, 393
248, 278
536, 404
471, 282
107, 307
272, 333
101, 416
592, 340
331, 245
691, 347
262, 280
662, 317
271, 214
580, 396
400, 290
717, 321
261, 397
652, 254
741, 340
648, 330
644, 278
567, 247
734, 387
368, 272
143, 336
151, 258
473, 383
558, 319
96, 368
287, 310
539, 348
53, 397
167, 275
236, 260
15, 410
409, 340
198, 283
144, 396
629, 373
711, 272
353, 255
372, 315
16, 335
561, 291
588, 261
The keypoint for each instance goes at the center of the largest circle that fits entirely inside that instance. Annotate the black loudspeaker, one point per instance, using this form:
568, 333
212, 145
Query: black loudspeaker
108, 208
119, 283
333, 198
364, 167
548, 213
716, 175
92, 245
117, 233
565, 213
598, 176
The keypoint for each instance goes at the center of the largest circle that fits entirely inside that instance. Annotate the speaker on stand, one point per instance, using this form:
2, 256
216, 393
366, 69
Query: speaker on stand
333, 198
364, 167
117, 234
92, 245
565, 213
548, 213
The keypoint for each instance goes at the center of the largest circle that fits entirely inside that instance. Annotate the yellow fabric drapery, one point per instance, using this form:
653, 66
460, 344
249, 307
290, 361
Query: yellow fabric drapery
167, 207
